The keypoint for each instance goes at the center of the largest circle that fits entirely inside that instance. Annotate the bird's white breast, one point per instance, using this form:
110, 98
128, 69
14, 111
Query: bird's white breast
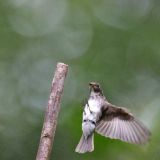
94, 105
92, 110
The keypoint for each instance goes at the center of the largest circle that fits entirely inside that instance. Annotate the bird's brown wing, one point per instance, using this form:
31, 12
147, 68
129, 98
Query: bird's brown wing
118, 123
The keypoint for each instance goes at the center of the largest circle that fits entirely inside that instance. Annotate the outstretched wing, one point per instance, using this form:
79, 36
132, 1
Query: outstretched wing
118, 123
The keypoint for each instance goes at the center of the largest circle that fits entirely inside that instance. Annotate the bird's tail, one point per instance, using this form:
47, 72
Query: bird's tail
85, 144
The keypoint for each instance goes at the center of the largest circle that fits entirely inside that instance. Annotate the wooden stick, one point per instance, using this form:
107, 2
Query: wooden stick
51, 115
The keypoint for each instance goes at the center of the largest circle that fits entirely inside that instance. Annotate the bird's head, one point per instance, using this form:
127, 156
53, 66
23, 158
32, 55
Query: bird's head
95, 87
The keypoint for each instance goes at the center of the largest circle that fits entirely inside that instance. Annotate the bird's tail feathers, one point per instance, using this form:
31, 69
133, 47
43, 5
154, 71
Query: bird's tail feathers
85, 144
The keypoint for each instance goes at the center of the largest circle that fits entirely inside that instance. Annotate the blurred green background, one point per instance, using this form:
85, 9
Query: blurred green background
113, 42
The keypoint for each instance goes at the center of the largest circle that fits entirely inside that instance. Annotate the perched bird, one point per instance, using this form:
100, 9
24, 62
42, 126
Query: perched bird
108, 120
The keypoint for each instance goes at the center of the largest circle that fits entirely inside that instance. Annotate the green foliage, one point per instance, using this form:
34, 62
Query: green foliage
114, 42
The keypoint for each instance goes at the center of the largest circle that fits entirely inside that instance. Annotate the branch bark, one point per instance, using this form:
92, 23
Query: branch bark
51, 115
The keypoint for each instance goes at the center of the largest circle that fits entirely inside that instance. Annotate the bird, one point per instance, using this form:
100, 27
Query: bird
108, 120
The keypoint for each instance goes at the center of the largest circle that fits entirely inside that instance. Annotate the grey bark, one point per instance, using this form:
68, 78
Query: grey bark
51, 115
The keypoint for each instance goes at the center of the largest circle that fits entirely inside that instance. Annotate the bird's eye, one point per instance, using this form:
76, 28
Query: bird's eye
84, 120
96, 89
97, 85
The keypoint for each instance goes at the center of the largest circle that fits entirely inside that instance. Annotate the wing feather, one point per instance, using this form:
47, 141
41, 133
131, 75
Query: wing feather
118, 123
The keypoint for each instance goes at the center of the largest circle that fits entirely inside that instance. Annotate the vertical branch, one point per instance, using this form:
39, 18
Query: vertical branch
51, 115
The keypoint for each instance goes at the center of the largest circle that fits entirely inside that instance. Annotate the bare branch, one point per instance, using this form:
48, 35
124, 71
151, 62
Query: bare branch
51, 115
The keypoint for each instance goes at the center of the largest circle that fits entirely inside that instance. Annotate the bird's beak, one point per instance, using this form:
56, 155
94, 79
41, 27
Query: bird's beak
90, 84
